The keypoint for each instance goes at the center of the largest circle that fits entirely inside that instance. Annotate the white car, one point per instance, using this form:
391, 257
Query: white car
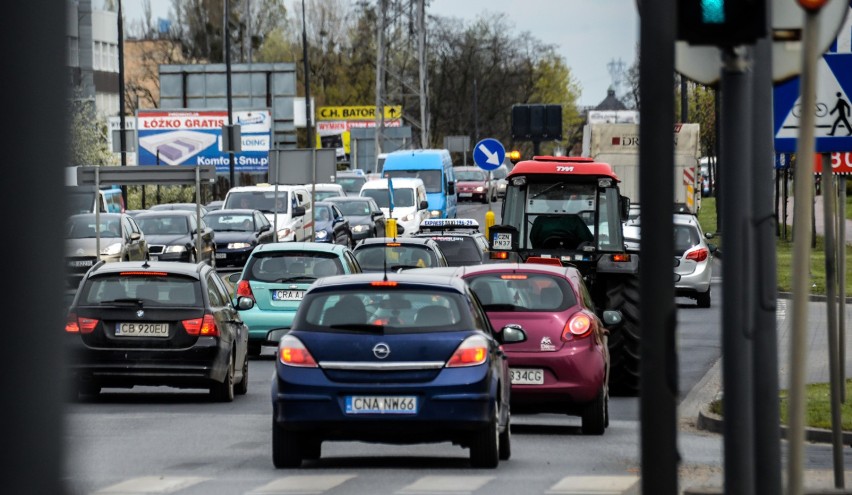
695, 256
288, 208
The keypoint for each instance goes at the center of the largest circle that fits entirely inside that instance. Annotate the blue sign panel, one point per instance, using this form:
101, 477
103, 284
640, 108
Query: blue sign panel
833, 112
489, 154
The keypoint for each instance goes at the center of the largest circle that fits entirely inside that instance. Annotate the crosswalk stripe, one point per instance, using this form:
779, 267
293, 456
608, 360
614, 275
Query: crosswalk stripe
594, 485
446, 484
303, 484
151, 484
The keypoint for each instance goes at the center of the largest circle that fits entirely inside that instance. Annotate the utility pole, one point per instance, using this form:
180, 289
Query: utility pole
121, 90
308, 110
227, 38
380, 78
421, 48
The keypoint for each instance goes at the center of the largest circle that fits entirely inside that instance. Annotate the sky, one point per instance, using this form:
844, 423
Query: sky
589, 34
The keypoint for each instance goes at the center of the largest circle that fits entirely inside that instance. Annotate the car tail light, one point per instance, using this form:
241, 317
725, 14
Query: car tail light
244, 289
499, 255
471, 352
544, 261
579, 325
620, 258
75, 324
203, 327
292, 352
699, 255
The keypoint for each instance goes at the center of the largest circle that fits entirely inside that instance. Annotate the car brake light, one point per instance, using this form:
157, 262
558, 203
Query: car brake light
499, 255
544, 261
471, 352
699, 255
75, 324
621, 258
204, 327
292, 352
579, 325
244, 289
143, 274
383, 283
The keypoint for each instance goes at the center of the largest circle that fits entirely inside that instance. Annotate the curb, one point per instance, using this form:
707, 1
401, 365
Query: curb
713, 423
811, 297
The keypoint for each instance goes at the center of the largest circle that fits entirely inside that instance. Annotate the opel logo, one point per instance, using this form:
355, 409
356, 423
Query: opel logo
140, 313
381, 350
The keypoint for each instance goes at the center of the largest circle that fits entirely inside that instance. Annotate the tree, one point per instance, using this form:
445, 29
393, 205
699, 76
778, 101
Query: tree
88, 143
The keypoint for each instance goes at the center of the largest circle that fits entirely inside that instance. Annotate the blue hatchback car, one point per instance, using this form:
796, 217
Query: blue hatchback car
391, 359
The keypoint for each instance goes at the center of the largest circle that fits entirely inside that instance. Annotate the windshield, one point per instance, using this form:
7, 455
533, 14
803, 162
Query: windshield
292, 266
373, 257
431, 178
81, 202
351, 184
150, 290
386, 312
522, 292
402, 197
257, 200
164, 225
470, 175
230, 222
459, 250
321, 195
84, 227
354, 208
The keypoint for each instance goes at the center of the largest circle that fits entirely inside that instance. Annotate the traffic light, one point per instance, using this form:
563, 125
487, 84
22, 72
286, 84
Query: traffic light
721, 22
520, 122
553, 122
536, 122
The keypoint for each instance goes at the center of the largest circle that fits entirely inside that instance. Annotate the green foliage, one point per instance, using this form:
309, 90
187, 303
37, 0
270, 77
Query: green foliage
816, 271
88, 143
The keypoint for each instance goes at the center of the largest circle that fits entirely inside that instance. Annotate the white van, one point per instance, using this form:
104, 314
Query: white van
409, 197
288, 209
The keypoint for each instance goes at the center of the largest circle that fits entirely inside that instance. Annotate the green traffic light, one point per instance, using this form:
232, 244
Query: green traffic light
713, 11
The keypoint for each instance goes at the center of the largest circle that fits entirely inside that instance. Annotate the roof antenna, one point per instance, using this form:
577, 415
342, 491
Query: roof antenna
385, 260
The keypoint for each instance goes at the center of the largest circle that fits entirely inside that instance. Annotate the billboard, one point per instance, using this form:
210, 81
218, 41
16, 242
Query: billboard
334, 124
194, 137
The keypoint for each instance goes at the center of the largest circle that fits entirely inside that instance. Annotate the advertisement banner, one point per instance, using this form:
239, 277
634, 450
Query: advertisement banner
194, 137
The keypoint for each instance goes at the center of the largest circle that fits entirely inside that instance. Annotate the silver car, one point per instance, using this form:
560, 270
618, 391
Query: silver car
695, 256
120, 240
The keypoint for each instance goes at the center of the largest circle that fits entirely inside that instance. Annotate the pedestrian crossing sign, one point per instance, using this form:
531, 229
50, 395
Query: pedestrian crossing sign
833, 112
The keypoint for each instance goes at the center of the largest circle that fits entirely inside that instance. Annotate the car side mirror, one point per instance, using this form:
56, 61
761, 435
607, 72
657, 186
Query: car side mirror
451, 187
712, 247
400, 229
424, 205
135, 236
234, 278
709, 235
612, 317
512, 333
625, 207
244, 303
264, 228
376, 214
298, 211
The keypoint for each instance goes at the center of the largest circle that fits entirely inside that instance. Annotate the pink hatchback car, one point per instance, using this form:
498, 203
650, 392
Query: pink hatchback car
563, 365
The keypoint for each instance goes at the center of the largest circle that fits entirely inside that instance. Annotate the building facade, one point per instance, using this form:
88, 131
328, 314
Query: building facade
93, 56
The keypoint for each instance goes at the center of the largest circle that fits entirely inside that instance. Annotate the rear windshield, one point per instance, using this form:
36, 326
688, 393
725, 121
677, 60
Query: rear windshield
459, 250
402, 197
351, 184
431, 178
292, 266
471, 175
522, 292
686, 237
257, 200
374, 257
354, 208
164, 225
150, 290
321, 195
386, 311
81, 202
230, 222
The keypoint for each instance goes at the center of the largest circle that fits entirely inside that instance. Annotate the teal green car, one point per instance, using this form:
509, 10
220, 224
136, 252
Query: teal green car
276, 276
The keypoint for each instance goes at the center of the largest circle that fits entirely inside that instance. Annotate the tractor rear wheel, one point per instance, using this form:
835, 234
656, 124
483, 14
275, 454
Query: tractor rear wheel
625, 341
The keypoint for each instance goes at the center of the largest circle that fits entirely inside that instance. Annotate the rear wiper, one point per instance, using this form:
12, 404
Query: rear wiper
293, 279
124, 300
360, 327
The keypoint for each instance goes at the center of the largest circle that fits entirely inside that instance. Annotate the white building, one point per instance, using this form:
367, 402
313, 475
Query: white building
93, 55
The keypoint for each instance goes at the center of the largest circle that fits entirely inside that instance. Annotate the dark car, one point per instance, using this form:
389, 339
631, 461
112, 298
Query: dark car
365, 217
330, 225
460, 239
237, 233
396, 359
161, 324
179, 206
387, 254
214, 205
120, 240
172, 234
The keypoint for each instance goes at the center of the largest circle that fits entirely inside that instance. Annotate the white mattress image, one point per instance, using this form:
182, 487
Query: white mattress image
178, 146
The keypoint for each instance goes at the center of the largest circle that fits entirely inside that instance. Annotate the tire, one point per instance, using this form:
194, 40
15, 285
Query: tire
224, 392
625, 341
311, 448
594, 415
505, 447
213, 260
703, 299
242, 387
286, 448
192, 258
88, 390
485, 447
254, 350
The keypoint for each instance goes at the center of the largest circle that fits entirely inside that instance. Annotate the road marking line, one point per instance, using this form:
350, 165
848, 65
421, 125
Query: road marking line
151, 484
303, 484
594, 485
446, 484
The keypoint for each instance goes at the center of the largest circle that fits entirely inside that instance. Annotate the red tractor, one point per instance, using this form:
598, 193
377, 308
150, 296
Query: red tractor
569, 209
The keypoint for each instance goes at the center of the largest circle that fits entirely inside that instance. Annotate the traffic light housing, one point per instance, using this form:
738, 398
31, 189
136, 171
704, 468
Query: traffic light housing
520, 122
536, 122
721, 22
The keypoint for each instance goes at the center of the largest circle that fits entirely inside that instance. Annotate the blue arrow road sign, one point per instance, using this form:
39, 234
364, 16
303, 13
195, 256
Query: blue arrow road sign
489, 154
834, 101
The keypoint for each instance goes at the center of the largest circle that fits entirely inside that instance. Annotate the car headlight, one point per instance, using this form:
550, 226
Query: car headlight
321, 235
480, 189
175, 249
435, 213
283, 234
501, 185
408, 218
112, 249
360, 228
238, 245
